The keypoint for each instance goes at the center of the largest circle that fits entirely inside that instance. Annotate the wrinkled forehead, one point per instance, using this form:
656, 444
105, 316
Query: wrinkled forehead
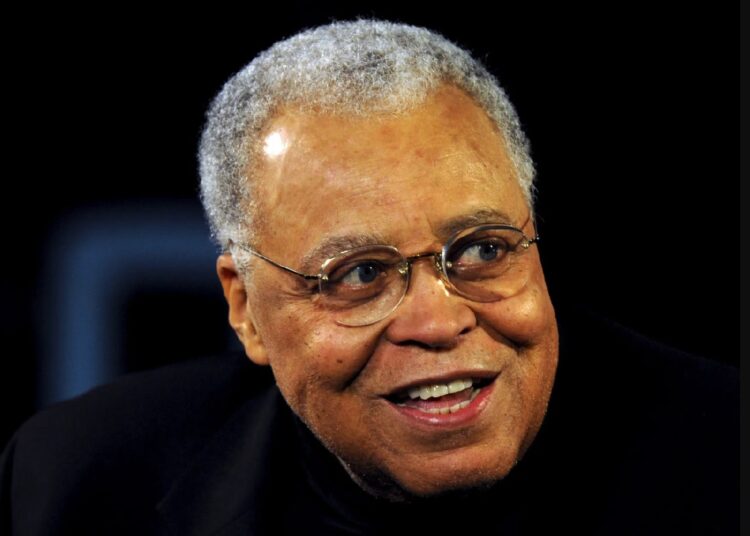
318, 173
447, 117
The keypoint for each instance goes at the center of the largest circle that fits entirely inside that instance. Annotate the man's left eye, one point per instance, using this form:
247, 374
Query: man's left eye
480, 252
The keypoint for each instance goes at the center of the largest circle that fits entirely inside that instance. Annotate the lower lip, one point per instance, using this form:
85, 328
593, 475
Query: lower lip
461, 417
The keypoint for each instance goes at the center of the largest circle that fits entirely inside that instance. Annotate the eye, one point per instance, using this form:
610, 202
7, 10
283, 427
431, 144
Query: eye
361, 274
481, 252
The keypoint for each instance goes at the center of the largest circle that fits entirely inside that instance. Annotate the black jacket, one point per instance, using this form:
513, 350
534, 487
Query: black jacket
639, 439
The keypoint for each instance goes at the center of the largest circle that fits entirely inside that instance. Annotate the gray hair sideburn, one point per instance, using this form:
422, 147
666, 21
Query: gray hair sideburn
362, 67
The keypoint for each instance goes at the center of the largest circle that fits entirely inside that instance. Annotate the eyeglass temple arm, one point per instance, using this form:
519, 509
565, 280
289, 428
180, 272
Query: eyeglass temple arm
287, 268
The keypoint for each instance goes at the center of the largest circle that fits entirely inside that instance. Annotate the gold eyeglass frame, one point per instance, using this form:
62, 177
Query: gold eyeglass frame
440, 262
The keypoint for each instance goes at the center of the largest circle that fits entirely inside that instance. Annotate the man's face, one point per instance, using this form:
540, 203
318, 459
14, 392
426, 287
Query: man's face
402, 180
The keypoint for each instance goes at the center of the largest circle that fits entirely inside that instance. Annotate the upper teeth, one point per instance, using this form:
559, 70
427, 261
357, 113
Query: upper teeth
440, 389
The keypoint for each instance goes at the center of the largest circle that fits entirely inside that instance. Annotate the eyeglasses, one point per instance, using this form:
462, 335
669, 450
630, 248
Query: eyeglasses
363, 285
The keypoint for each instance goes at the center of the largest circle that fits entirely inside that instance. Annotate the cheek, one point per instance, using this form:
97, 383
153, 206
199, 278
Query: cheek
527, 318
528, 321
313, 363
338, 353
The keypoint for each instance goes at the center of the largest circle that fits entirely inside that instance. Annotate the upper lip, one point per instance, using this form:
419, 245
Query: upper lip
443, 378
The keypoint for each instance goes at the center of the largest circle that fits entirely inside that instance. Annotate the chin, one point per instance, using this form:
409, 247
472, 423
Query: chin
455, 474
459, 481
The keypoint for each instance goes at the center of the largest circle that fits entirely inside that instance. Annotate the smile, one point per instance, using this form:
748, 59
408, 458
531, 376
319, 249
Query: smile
435, 401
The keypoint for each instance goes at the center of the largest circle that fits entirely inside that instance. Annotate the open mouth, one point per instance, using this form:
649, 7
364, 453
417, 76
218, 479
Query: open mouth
441, 398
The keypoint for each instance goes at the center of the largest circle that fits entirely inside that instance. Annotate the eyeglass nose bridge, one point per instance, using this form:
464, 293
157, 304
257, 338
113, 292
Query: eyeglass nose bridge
437, 261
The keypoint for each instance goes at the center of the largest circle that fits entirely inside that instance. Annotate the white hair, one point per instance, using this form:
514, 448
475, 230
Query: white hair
361, 67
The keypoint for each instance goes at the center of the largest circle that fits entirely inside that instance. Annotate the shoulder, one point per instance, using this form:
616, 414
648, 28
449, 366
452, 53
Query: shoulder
619, 358
151, 406
657, 428
643, 389
127, 441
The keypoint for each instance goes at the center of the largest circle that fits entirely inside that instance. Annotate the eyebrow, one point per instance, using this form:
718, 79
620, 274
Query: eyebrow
333, 245
479, 217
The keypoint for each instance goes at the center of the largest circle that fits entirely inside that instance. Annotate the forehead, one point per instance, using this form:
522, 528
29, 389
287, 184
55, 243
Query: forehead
392, 177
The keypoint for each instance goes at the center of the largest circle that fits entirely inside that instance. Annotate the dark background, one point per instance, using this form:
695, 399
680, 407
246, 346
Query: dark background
631, 109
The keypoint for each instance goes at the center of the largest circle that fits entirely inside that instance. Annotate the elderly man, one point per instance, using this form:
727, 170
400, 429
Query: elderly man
372, 193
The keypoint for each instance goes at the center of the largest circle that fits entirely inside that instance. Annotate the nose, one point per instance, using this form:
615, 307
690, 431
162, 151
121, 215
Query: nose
430, 315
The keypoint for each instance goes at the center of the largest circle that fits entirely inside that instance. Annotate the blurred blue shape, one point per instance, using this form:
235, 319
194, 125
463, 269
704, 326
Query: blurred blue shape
95, 259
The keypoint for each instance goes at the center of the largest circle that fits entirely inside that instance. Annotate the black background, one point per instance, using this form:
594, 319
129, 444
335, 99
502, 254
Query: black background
631, 109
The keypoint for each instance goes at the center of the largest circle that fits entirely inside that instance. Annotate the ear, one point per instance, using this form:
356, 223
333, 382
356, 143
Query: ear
240, 314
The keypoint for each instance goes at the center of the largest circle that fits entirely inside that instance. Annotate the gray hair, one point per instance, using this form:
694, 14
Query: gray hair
361, 67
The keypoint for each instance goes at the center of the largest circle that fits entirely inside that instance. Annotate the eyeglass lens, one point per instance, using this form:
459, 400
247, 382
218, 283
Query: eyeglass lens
364, 285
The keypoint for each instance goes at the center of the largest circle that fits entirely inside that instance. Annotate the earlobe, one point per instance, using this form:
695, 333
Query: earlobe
240, 313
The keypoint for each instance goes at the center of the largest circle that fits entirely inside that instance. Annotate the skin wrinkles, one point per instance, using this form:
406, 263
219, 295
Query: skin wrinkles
346, 176
332, 245
363, 182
